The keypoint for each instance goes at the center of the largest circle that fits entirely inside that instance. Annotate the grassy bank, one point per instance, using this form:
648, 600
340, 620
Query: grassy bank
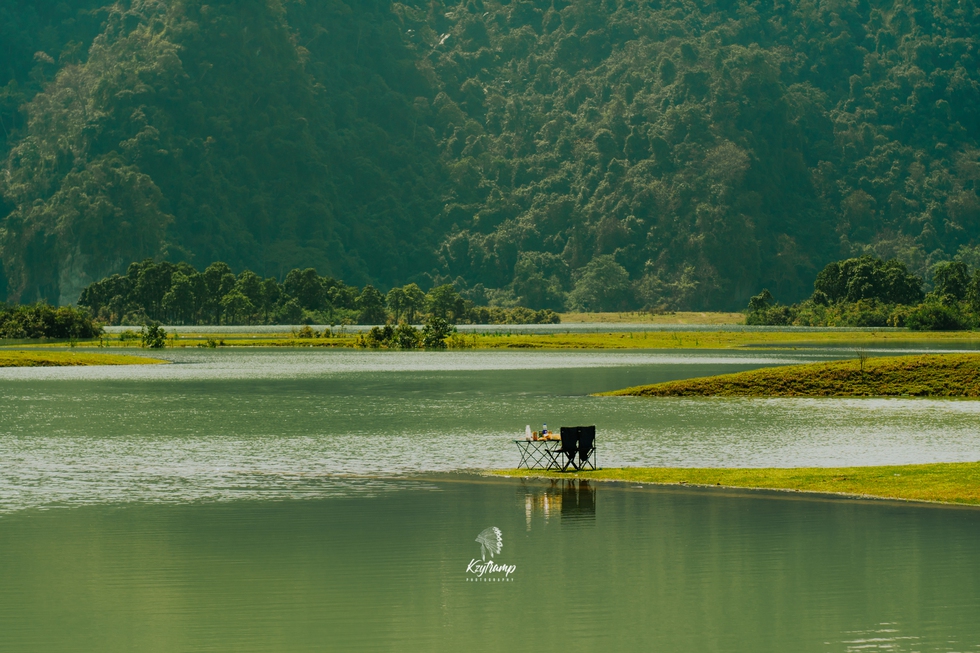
632, 340
937, 375
942, 482
68, 359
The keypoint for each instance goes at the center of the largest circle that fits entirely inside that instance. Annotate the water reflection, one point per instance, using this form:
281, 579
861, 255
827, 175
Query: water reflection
572, 499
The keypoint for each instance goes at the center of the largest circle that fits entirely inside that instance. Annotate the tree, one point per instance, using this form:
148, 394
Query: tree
250, 285
152, 283
271, 292
602, 285
973, 292
237, 308
414, 302
178, 302
539, 278
218, 282
901, 286
371, 303
951, 279
831, 282
761, 302
445, 303
396, 301
307, 287
291, 312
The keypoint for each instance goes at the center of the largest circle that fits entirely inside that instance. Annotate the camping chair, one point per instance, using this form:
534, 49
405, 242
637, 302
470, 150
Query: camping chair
586, 447
569, 447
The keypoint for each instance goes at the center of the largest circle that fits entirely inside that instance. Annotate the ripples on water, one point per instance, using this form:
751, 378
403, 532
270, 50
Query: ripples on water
253, 424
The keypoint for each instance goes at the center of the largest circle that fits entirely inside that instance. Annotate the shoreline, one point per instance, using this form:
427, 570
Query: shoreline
955, 484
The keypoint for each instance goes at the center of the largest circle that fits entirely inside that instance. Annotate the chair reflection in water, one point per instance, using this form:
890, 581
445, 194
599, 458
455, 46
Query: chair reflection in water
577, 500
576, 441
572, 498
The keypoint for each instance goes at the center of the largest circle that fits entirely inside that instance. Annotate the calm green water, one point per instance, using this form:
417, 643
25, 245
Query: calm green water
608, 568
295, 501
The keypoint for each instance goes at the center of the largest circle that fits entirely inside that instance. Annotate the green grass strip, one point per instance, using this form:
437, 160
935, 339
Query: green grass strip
68, 359
957, 483
934, 375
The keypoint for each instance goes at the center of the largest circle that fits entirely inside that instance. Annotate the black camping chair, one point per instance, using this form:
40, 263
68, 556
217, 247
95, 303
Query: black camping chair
586, 447
569, 447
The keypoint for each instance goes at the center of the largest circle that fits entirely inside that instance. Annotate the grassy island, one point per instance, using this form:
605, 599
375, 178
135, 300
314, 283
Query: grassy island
936, 375
939, 482
68, 359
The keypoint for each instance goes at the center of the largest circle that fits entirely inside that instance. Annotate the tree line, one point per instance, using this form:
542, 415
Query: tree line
179, 294
870, 292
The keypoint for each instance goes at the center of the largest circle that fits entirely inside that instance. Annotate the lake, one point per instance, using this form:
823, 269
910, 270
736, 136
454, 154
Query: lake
295, 500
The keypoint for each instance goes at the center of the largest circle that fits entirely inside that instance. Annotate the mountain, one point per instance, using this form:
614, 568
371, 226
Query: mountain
596, 155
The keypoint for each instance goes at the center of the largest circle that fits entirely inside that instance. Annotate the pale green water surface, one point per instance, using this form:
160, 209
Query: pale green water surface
315, 501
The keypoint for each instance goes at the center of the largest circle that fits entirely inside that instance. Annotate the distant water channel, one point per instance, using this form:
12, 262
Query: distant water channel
288, 500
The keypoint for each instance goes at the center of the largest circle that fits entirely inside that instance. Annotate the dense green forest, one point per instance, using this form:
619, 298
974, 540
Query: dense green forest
588, 154
870, 292
152, 292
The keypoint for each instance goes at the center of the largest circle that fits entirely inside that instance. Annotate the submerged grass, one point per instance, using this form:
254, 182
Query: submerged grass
68, 359
957, 483
934, 375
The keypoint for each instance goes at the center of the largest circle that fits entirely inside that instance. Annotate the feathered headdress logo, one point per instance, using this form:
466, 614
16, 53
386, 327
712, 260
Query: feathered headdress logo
490, 541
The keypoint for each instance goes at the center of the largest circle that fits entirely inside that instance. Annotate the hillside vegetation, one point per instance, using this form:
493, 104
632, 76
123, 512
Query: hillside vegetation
918, 376
594, 155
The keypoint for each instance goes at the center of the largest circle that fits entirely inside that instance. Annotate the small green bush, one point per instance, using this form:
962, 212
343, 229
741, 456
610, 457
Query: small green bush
152, 336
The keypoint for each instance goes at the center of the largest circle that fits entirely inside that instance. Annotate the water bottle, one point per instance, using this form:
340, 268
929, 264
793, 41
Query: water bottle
544, 429
527, 432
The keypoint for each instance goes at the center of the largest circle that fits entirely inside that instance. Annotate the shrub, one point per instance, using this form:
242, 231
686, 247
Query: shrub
435, 332
406, 337
935, 317
152, 336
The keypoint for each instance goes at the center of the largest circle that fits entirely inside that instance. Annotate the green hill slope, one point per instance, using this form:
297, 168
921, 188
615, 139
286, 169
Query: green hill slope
599, 155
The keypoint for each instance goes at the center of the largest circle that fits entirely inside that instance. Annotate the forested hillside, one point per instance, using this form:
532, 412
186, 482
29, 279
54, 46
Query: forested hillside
595, 155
